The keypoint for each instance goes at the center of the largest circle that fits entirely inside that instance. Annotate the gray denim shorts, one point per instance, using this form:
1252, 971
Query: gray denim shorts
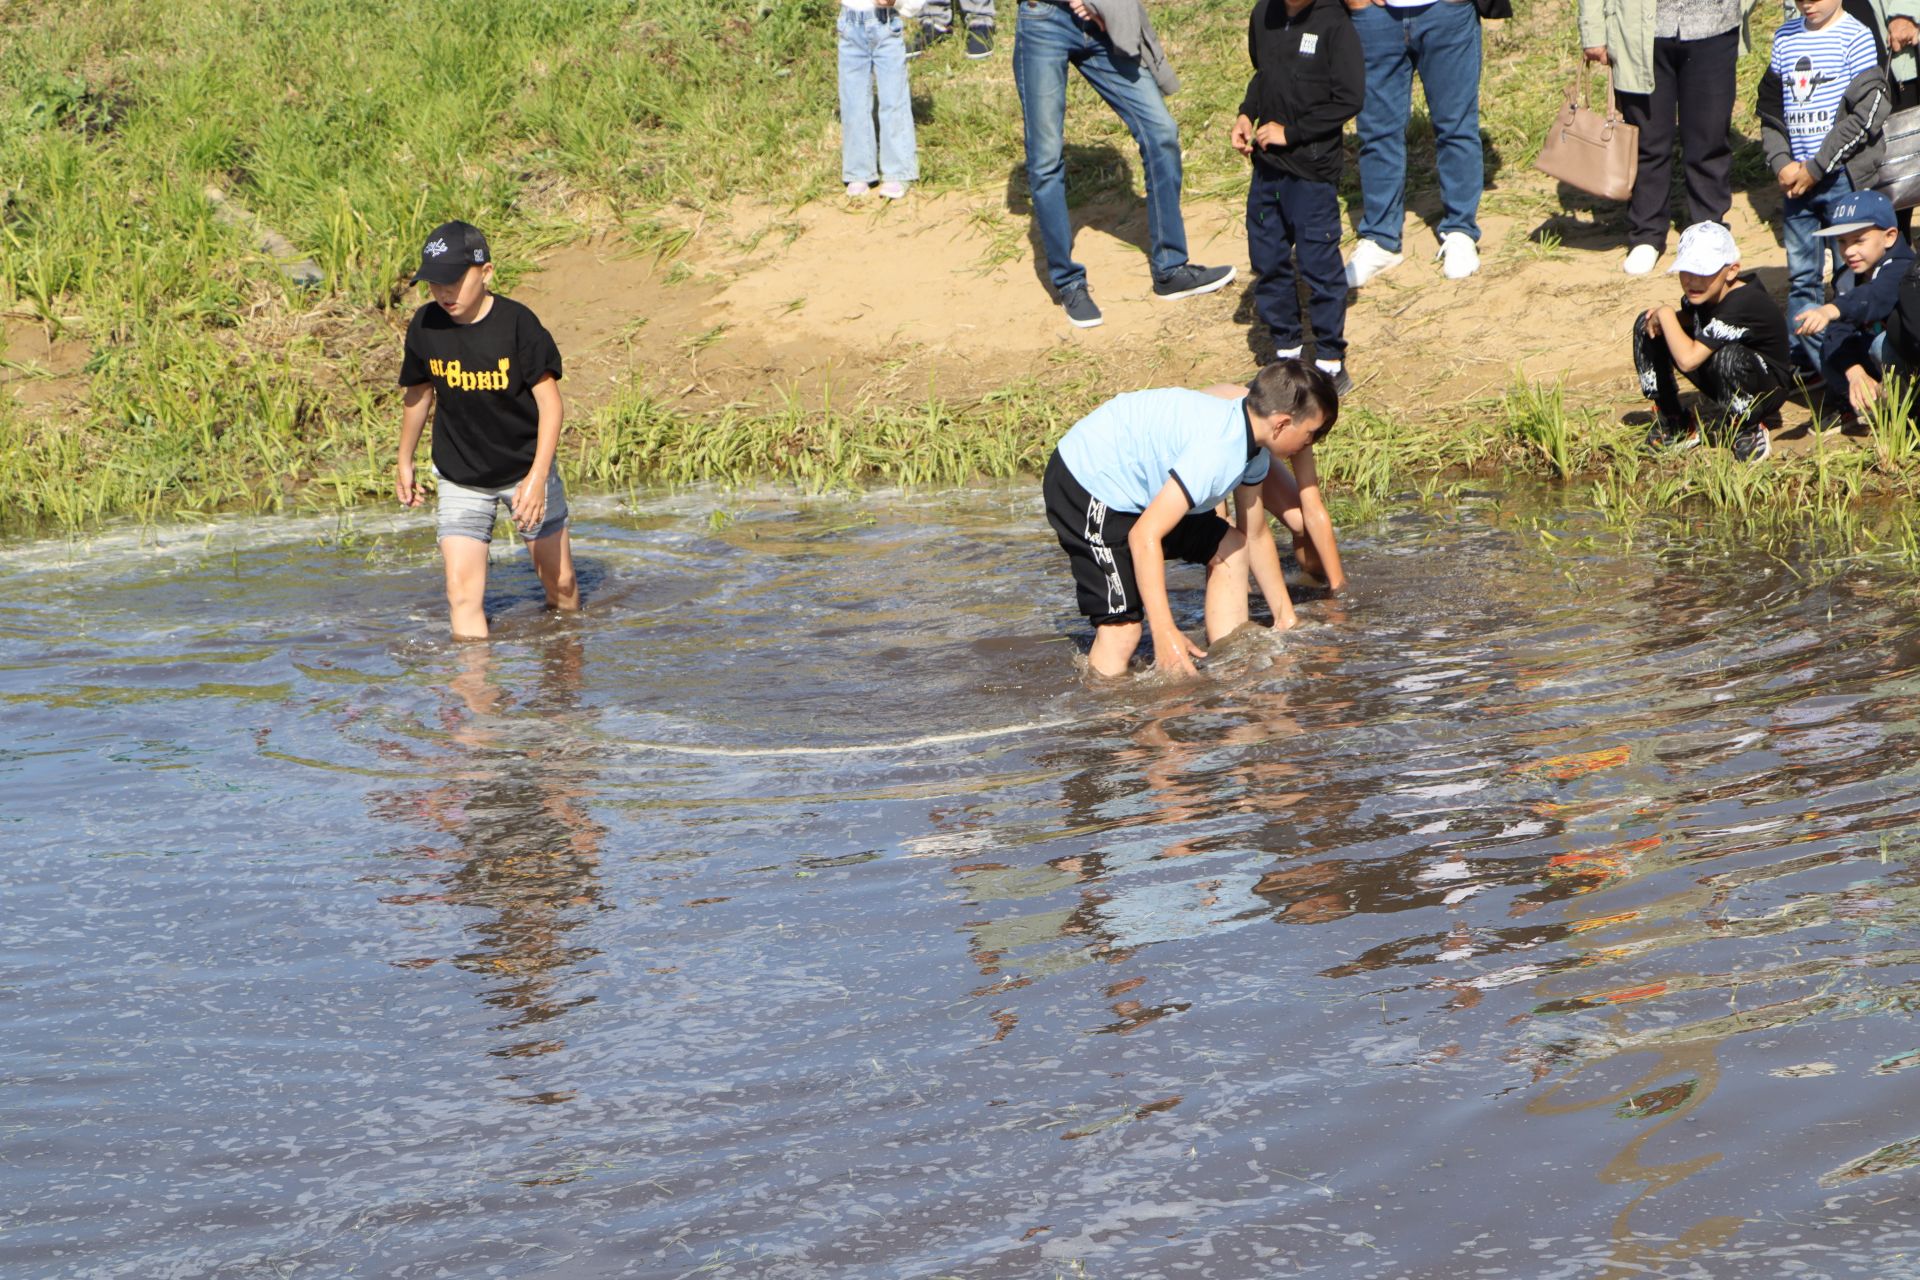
470, 513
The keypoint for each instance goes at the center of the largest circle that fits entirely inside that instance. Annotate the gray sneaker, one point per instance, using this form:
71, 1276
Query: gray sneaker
1188, 279
1751, 443
1079, 304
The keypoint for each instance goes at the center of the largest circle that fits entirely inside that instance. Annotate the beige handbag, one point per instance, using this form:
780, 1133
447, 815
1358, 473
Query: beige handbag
1598, 154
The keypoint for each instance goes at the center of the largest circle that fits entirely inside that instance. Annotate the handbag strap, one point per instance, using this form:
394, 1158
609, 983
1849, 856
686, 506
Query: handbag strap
1581, 91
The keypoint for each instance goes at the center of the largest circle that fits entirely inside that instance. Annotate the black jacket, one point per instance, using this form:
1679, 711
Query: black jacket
1308, 75
1903, 325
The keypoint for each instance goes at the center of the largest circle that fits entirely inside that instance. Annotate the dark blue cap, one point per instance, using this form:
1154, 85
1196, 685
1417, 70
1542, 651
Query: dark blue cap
1858, 211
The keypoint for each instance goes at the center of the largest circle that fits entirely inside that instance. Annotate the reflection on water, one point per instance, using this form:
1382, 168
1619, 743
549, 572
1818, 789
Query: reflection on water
797, 911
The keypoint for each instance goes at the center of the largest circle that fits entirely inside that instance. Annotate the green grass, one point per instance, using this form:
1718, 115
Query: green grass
352, 126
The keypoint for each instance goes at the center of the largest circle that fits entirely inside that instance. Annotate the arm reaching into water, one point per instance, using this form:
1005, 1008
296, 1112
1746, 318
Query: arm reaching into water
1294, 496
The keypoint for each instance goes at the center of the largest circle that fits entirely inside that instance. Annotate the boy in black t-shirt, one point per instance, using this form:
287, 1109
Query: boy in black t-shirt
1728, 336
490, 372
1309, 78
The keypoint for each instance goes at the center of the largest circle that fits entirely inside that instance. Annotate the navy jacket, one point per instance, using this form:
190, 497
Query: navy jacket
1308, 74
1865, 306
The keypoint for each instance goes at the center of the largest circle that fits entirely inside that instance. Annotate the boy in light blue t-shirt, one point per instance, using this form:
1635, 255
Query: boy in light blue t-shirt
1135, 483
1822, 101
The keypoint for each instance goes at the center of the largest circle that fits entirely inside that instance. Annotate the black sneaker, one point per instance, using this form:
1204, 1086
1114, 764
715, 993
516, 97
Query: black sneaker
979, 41
1751, 443
1342, 380
1672, 433
1188, 279
925, 38
1081, 312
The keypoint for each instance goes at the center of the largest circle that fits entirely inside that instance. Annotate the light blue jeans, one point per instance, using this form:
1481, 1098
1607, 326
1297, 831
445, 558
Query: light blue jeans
1048, 40
1809, 257
1442, 42
873, 53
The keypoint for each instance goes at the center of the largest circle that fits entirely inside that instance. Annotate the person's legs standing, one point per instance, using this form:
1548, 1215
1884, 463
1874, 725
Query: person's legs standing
1043, 42
858, 153
466, 562
978, 15
551, 547
899, 162
1270, 251
1446, 49
1128, 87
1312, 211
1648, 209
1705, 75
1382, 124
1807, 258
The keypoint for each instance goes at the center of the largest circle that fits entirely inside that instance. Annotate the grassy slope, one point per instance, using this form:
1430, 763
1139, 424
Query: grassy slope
352, 126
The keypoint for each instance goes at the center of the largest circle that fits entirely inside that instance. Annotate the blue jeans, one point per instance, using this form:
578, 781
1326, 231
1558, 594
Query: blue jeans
872, 52
1442, 42
1806, 258
1047, 41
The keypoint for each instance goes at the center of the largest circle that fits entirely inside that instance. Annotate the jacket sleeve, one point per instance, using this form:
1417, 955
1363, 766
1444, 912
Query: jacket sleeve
1903, 326
1873, 301
1773, 121
1248, 104
1325, 118
1863, 108
1593, 24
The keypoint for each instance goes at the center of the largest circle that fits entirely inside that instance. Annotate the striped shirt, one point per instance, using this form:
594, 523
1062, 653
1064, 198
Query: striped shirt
1815, 68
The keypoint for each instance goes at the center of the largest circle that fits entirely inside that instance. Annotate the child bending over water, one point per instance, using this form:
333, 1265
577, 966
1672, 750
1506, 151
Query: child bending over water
1137, 481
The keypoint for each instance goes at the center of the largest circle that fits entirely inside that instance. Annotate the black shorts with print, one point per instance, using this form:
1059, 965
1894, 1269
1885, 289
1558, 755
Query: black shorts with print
1095, 540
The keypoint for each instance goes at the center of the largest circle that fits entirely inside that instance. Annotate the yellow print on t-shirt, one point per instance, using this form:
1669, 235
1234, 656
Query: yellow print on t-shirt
459, 379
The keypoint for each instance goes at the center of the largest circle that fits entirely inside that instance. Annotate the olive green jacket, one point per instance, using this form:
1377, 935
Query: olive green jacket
1625, 29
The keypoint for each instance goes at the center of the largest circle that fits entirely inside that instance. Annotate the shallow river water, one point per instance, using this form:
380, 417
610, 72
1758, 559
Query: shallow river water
1545, 908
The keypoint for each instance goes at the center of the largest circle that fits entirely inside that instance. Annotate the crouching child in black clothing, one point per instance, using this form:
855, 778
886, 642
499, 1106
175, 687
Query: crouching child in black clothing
1308, 81
1730, 339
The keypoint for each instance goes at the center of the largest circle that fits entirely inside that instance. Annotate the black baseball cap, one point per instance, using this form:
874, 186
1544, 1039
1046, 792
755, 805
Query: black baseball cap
451, 248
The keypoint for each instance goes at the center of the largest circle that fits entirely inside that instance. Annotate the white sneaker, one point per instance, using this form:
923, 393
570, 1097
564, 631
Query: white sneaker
1459, 256
1641, 260
1369, 260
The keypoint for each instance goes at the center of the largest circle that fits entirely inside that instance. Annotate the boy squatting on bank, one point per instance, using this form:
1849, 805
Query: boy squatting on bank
489, 372
1137, 481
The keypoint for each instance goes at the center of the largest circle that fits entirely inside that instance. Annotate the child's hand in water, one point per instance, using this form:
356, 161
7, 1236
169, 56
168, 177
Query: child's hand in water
1170, 653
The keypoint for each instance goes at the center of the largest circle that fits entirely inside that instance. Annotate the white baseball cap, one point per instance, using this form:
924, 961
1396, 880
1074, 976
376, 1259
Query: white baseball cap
1705, 248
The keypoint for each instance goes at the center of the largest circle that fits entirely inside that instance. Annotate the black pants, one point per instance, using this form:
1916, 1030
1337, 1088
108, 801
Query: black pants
1289, 217
1693, 87
1736, 378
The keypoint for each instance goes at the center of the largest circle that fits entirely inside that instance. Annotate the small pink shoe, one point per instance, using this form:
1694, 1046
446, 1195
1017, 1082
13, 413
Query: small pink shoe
893, 190
858, 188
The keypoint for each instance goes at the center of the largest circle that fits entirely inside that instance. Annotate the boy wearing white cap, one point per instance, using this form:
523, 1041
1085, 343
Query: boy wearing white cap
1727, 335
